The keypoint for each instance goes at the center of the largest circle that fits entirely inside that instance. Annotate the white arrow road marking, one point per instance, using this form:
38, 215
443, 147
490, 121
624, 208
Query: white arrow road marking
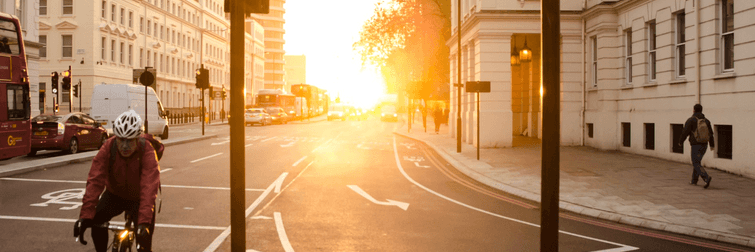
288, 145
216, 243
621, 247
221, 143
282, 233
399, 204
211, 156
299, 161
279, 182
420, 166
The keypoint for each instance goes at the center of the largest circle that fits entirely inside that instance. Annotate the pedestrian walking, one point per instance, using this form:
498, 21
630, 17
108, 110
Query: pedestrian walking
438, 118
700, 133
423, 110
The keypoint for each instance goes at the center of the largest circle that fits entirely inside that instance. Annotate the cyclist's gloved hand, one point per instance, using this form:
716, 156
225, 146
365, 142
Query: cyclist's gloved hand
80, 227
143, 230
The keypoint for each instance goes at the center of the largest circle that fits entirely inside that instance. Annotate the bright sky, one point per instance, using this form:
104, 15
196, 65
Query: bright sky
324, 32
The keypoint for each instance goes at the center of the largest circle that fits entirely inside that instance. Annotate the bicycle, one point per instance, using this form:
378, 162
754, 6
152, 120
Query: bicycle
124, 237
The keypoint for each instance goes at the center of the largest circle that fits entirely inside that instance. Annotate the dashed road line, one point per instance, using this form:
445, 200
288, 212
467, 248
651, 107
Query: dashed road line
211, 156
297, 162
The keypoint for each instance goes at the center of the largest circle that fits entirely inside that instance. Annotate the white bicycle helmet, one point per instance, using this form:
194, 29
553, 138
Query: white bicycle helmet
128, 125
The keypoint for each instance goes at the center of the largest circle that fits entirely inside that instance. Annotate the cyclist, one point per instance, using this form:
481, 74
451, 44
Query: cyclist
130, 182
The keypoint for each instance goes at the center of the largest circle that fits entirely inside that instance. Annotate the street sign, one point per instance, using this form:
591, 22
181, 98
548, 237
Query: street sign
478, 87
137, 75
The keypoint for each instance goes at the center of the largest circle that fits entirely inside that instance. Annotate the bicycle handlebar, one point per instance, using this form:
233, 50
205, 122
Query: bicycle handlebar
113, 227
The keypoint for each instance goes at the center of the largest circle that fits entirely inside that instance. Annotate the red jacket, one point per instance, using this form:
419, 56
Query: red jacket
125, 182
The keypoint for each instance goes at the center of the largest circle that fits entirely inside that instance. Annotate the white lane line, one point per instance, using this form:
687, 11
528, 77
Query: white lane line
247, 145
6, 217
322, 145
282, 232
164, 170
265, 140
216, 243
206, 157
622, 247
297, 162
84, 182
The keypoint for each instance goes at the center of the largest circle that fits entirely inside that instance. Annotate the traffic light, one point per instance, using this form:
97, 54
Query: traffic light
66, 80
198, 76
203, 78
223, 93
54, 79
76, 91
57, 109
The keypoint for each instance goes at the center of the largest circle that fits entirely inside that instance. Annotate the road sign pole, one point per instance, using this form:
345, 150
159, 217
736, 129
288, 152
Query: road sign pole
478, 125
81, 95
201, 113
551, 57
238, 165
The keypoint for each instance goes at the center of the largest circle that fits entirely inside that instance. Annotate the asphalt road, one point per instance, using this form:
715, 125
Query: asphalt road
320, 186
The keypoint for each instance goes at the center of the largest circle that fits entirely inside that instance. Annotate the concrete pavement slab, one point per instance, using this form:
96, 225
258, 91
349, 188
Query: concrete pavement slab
611, 185
44, 163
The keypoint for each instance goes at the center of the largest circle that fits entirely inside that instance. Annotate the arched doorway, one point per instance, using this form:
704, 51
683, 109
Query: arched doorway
526, 86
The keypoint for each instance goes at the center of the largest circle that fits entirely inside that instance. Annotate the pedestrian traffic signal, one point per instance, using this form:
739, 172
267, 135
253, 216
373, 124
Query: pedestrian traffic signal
57, 108
66, 80
54, 79
76, 91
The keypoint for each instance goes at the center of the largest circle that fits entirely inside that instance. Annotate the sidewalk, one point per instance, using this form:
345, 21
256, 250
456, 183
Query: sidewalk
611, 185
44, 163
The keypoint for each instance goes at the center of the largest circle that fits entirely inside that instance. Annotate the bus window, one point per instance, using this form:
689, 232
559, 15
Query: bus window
8, 38
18, 102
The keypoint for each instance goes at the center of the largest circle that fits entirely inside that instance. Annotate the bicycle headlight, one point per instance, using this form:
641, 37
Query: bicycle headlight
124, 234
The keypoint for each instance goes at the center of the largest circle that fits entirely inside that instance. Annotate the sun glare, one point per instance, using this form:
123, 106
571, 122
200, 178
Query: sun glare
363, 89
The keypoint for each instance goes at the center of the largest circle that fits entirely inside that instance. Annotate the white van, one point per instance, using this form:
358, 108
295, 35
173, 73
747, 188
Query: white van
111, 100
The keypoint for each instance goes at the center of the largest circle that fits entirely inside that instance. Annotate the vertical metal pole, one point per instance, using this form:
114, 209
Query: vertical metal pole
550, 42
458, 77
54, 101
201, 113
238, 165
70, 94
478, 125
146, 116
81, 94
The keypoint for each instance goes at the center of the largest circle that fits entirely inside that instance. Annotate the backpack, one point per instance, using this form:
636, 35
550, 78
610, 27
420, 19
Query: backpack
702, 134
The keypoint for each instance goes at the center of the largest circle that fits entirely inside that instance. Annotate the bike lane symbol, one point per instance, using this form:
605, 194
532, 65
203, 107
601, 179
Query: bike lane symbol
70, 197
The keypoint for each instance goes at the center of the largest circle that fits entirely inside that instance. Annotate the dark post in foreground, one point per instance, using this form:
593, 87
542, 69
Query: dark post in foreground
458, 76
551, 57
238, 181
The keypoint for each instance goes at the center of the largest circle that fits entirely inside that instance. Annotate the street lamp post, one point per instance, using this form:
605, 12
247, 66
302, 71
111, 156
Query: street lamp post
458, 76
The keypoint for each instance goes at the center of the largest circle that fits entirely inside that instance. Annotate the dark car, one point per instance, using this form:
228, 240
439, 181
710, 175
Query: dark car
278, 115
72, 133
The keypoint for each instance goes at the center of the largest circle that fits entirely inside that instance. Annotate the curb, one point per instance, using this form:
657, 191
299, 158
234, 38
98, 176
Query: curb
588, 211
76, 158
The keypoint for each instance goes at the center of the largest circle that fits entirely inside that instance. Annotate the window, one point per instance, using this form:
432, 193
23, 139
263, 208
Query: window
676, 134
43, 49
141, 57
679, 45
628, 57
594, 60
162, 32
67, 46
67, 7
650, 136
104, 9
112, 50
652, 69
131, 19
112, 12
626, 131
141, 24
724, 136
727, 34
43, 7
130, 53
590, 130
155, 29
18, 102
104, 41
123, 16
149, 27
148, 61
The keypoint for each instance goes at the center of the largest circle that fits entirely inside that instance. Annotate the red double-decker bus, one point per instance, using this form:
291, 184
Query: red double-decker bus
15, 105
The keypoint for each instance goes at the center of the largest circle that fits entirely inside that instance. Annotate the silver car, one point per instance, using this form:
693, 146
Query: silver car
257, 116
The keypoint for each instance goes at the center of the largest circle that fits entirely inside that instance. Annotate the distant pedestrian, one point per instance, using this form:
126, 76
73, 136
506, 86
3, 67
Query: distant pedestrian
438, 118
700, 133
423, 110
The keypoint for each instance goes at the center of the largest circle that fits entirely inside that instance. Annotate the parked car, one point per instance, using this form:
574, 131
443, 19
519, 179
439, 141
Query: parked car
278, 115
72, 133
257, 116
388, 114
336, 112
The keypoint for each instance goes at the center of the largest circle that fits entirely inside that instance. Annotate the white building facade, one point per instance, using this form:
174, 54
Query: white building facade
631, 72
274, 61
103, 41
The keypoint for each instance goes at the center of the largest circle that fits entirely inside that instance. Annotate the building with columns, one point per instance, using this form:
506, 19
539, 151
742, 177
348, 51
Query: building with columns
103, 41
27, 11
631, 72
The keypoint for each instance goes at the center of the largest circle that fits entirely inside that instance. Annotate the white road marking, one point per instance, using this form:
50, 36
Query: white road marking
206, 157
297, 162
260, 217
84, 182
420, 166
61, 197
221, 143
282, 233
622, 247
318, 147
6, 217
164, 170
268, 139
278, 185
247, 145
216, 243
288, 145
399, 204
